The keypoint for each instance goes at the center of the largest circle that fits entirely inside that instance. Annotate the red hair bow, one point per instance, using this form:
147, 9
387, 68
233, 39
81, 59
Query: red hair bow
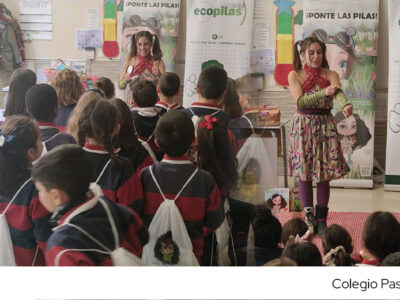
208, 122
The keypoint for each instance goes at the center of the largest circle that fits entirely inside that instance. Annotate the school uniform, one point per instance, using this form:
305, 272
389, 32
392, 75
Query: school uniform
52, 137
28, 223
139, 158
242, 128
122, 186
68, 246
164, 107
63, 115
199, 203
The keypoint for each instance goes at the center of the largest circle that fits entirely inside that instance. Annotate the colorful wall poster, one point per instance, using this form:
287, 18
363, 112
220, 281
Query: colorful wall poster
218, 32
392, 174
277, 199
350, 32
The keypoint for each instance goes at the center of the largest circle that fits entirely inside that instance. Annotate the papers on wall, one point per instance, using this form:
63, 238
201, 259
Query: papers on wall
92, 17
36, 19
89, 38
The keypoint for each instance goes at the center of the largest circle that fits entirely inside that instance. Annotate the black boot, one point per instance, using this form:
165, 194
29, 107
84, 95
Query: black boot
320, 214
309, 218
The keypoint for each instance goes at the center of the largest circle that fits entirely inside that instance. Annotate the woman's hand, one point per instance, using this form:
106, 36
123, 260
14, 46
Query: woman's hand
347, 110
127, 77
330, 90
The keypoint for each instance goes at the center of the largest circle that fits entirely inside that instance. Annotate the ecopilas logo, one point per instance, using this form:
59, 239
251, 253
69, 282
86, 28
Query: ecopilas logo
205, 11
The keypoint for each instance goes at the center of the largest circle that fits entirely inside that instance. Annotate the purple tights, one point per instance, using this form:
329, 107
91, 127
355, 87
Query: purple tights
306, 193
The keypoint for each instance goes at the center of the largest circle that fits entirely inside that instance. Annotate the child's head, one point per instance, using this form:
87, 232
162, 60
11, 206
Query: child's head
169, 84
214, 152
20, 145
126, 138
21, 81
144, 93
392, 260
99, 122
353, 125
174, 133
41, 102
230, 105
106, 85
68, 86
334, 236
62, 176
281, 262
304, 254
276, 201
293, 228
381, 234
212, 83
267, 228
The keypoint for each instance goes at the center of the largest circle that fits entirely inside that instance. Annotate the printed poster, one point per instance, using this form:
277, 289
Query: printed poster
350, 31
89, 38
277, 199
218, 32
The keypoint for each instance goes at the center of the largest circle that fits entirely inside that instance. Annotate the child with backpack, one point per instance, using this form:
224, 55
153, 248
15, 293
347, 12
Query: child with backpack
167, 89
41, 104
97, 126
176, 184
21, 214
91, 230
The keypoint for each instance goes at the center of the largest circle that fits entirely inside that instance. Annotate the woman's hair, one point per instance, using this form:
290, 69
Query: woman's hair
381, 234
126, 138
98, 121
270, 204
215, 154
156, 51
363, 135
292, 228
230, 104
68, 86
21, 134
267, 228
106, 85
336, 235
344, 41
72, 125
21, 81
303, 46
304, 254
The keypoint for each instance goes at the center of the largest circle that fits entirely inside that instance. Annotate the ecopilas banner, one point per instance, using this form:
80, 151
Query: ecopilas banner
350, 32
392, 176
218, 32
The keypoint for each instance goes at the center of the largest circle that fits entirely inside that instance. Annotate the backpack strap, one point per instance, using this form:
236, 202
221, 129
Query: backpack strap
146, 145
102, 172
15, 196
251, 124
179, 193
52, 137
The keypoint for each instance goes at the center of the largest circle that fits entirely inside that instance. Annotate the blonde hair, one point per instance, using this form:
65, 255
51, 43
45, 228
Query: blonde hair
68, 86
72, 125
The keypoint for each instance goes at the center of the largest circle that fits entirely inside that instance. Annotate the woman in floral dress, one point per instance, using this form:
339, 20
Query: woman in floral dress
314, 152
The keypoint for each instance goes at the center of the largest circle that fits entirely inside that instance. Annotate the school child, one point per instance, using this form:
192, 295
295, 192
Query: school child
305, 254
380, 237
88, 227
292, 228
167, 89
27, 219
215, 155
97, 125
337, 246
106, 85
199, 202
145, 115
127, 141
41, 103
392, 260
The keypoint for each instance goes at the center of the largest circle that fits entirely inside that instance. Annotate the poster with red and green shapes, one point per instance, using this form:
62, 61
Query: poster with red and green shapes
110, 45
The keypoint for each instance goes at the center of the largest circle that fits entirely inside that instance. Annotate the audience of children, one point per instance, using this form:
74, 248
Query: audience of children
167, 89
106, 85
21, 80
41, 104
84, 235
69, 89
293, 228
27, 219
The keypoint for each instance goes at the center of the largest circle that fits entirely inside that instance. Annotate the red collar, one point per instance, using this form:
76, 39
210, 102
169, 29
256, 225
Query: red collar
185, 157
205, 105
93, 147
46, 124
183, 160
372, 262
166, 105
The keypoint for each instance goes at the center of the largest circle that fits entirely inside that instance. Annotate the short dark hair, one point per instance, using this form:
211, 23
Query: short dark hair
336, 235
212, 82
106, 85
144, 93
293, 227
41, 101
381, 234
174, 133
169, 84
267, 228
392, 260
67, 168
304, 254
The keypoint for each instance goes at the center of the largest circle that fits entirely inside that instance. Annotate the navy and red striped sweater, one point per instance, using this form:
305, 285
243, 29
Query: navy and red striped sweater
139, 158
52, 136
164, 107
28, 223
122, 186
199, 203
132, 235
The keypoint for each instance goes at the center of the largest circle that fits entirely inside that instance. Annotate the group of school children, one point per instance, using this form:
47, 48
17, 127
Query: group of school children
85, 180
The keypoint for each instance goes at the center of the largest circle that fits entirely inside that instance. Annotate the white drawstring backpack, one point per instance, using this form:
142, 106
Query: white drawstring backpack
169, 243
7, 257
195, 118
146, 145
44, 151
